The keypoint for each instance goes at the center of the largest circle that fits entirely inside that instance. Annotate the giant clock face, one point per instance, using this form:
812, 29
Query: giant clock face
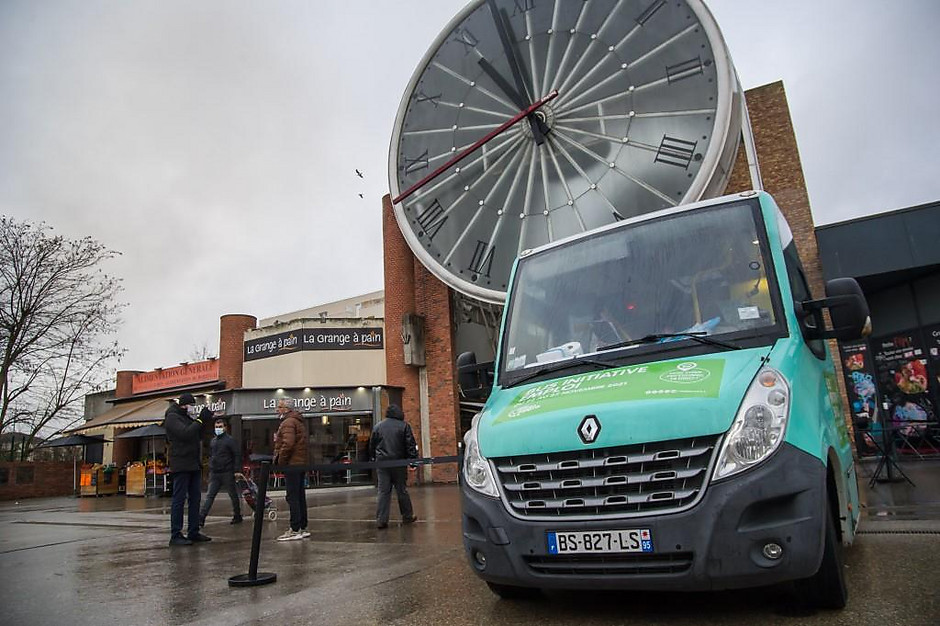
646, 117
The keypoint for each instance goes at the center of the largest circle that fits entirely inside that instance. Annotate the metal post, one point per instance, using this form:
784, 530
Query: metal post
253, 578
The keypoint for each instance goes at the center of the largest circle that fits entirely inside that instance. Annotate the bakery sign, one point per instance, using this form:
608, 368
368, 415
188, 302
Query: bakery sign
179, 376
314, 339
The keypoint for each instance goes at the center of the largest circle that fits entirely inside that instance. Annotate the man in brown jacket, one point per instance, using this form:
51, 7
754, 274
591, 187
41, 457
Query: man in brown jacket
290, 448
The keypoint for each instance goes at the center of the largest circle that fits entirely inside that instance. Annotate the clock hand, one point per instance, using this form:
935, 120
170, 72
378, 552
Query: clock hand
460, 157
535, 122
505, 37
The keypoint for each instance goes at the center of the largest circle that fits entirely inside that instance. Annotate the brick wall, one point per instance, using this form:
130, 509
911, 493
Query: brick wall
409, 287
782, 174
231, 347
124, 384
49, 479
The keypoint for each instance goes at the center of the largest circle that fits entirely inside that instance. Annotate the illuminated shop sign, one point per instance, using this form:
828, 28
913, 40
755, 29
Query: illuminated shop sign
304, 400
314, 339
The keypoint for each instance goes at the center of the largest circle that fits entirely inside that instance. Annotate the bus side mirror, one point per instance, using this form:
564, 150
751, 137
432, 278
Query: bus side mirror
475, 380
848, 310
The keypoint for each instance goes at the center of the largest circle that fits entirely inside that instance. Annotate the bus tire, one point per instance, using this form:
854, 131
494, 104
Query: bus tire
826, 588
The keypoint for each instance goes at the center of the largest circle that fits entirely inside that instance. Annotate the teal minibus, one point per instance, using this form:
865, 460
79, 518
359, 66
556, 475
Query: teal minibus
664, 413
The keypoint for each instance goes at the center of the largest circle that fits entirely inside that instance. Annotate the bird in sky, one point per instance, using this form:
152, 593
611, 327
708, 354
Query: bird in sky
360, 195
358, 173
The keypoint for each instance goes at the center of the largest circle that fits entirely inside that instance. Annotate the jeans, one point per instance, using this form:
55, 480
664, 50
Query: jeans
393, 477
186, 486
296, 499
217, 482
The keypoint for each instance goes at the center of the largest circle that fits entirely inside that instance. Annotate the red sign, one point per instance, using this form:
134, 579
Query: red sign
189, 374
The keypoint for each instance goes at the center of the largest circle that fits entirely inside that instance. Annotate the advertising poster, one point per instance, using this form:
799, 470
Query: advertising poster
932, 338
860, 386
901, 371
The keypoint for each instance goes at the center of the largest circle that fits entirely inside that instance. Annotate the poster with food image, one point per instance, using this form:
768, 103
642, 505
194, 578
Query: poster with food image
932, 340
901, 370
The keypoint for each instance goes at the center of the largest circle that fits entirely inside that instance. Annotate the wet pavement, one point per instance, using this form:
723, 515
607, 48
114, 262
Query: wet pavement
106, 561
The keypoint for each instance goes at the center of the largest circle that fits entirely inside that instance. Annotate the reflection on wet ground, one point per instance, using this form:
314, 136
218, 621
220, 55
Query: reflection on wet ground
106, 561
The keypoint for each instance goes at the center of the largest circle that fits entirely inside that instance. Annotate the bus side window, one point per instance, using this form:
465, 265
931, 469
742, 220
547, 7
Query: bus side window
799, 286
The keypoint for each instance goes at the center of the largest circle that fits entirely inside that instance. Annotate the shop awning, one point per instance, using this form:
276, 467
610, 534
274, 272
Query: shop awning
128, 415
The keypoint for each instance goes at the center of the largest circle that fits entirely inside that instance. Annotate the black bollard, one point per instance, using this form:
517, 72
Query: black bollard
253, 578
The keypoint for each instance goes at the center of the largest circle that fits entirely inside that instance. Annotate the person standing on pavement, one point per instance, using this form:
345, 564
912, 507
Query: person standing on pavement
184, 434
393, 440
290, 449
224, 460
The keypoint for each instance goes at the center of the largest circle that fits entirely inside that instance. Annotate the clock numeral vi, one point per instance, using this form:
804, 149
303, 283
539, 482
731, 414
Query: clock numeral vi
431, 219
673, 151
523, 6
482, 261
423, 97
686, 69
418, 163
469, 41
644, 17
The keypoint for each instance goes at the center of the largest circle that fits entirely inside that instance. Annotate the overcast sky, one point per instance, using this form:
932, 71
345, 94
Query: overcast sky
214, 143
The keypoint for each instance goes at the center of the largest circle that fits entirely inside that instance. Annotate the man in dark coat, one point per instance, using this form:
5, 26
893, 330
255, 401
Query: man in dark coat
184, 434
393, 440
225, 459
290, 448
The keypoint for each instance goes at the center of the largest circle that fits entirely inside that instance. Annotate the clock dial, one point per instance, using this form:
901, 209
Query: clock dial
646, 117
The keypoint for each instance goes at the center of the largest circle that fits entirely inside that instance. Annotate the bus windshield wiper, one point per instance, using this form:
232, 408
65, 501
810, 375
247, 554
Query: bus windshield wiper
699, 336
563, 365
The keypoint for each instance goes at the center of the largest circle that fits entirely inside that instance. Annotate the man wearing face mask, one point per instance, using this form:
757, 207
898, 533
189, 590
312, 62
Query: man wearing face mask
184, 434
224, 460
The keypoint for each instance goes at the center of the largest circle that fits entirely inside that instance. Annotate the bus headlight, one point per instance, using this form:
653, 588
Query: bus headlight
476, 469
759, 426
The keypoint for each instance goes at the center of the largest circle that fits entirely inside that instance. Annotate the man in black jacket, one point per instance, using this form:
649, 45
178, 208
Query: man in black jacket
184, 434
393, 440
224, 460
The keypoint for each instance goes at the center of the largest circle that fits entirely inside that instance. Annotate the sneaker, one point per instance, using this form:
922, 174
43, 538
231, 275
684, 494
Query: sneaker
180, 540
236, 520
199, 538
381, 525
410, 520
304, 533
290, 535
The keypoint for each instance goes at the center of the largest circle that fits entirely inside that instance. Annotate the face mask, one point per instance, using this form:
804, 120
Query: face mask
219, 431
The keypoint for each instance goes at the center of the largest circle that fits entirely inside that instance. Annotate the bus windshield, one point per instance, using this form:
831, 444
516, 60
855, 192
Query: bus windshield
702, 272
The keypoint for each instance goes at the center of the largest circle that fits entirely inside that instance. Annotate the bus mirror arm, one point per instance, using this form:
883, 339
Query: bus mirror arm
848, 312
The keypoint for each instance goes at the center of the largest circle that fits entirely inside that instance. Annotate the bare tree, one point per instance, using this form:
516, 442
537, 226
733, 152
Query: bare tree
200, 352
58, 313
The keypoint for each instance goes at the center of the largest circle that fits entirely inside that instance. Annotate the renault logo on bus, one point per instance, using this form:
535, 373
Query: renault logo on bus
589, 429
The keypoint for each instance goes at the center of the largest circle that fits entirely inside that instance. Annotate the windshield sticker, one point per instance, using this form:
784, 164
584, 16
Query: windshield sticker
748, 313
686, 379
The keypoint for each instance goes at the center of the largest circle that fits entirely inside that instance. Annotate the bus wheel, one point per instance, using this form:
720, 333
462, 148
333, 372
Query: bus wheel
510, 592
826, 588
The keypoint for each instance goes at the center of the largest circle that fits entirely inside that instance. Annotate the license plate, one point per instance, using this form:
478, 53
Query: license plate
599, 541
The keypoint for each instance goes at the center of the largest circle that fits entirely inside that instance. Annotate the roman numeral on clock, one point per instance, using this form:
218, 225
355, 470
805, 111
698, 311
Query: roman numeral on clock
673, 151
644, 17
469, 41
420, 162
675, 73
482, 260
423, 97
522, 6
431, 219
